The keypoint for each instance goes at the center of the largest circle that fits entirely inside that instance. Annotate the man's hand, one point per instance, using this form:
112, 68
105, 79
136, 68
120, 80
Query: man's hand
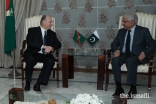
141, 56
48, 49
117, 53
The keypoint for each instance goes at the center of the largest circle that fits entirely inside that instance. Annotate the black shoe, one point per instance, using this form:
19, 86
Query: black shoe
27, 87
118, 91
37, 87
132, 93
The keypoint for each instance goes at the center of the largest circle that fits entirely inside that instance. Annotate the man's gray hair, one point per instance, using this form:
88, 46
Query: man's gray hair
131, 16
43, 18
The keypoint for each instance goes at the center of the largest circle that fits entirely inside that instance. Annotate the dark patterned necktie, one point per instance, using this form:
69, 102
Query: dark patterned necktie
44, 40
128, 44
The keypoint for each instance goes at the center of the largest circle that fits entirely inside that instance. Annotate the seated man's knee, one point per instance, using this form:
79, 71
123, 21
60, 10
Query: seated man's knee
130, 61
51, 62
115, 60
30, 59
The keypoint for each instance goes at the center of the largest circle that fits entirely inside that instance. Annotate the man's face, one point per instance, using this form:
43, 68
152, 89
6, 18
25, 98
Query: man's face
127, 24
48, 22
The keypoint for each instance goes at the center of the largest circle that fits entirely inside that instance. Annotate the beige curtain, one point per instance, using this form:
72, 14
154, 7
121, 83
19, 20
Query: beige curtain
2, 22
22, 10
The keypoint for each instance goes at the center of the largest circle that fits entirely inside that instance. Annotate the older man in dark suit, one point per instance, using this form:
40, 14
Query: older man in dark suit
132, 46
41, 42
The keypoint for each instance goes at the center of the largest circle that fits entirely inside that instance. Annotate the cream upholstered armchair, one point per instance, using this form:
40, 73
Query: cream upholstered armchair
145, 20
34, 22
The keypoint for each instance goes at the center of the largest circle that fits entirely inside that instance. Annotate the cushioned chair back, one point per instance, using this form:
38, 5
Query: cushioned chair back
145, 20
35, 22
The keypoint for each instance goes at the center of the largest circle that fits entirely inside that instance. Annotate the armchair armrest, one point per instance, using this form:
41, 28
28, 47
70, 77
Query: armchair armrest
151, 56
108, 56
23, 47
22, 50
57, 55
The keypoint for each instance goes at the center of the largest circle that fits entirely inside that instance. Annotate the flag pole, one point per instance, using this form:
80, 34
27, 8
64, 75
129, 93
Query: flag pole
75, 47
95, 49
95, 46
14, 63
14, 72
75, 43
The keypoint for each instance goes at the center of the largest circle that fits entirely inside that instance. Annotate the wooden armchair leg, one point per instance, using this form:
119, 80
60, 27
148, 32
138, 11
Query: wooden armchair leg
149, 81
53, 73
57, 76
22, 71
107, 79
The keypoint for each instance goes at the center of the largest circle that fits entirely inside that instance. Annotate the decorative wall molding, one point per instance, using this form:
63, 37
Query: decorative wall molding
66, 17
72, 4
71, 32
65, 46
139, 9
82, 20
103, 18
103, 45
129, 4
111, 3
59, 35
58, 6
148, 1
89, 5
44, 6
110, 32
88, 33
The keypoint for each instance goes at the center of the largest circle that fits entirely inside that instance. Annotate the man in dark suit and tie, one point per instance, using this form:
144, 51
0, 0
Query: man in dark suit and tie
132, 46
41, 42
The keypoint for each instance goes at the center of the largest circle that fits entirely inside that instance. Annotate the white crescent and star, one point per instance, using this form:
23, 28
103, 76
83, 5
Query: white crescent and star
92, 39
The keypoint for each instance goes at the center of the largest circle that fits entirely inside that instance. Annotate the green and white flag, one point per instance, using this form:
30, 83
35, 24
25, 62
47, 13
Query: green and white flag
9, 40
93, 38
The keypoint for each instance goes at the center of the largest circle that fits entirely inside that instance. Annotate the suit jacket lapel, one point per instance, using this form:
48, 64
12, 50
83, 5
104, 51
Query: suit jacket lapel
123, 38
40, 34
135, 37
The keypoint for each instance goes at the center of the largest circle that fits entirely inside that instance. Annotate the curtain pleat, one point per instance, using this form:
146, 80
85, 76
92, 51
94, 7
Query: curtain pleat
2, 24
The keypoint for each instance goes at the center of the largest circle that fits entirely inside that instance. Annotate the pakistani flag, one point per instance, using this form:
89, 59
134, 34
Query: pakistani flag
10, 40
78, 38
93, 38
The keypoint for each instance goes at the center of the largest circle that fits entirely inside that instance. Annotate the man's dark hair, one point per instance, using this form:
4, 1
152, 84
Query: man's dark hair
43, 18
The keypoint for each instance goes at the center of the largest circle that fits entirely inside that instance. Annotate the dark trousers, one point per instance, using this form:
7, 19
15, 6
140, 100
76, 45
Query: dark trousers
48, 64
131, 62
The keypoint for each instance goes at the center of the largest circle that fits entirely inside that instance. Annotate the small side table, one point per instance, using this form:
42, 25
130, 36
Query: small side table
68, 66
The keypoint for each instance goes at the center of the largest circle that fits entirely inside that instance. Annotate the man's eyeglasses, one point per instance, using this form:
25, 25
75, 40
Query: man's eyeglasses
125, 21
